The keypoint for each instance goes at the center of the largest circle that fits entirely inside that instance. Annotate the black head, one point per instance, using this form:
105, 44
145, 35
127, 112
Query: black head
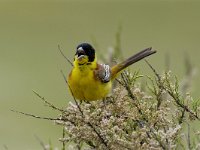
86, 49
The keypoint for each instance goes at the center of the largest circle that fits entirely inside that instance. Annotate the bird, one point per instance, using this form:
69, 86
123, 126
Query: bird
90, 80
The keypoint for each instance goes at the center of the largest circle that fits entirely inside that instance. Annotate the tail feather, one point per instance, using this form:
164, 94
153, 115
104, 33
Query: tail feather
133, 59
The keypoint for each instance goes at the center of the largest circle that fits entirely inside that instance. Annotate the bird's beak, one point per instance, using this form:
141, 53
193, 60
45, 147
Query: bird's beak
81, 56
80, 52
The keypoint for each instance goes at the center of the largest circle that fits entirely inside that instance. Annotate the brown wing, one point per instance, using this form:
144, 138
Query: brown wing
103, 73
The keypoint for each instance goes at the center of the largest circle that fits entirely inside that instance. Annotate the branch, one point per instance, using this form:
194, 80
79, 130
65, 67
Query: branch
71, 92
182, 105
59, 48
63, 136
154, 71
126, 85
171, 93
188, 137
34, 116
159, 84
48, 103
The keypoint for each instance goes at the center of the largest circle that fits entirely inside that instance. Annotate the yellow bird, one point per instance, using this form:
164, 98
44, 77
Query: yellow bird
89, 80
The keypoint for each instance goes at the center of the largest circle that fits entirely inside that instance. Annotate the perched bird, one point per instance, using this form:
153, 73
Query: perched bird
89, 80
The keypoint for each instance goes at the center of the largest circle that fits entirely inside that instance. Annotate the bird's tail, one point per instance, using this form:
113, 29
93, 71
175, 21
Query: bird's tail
140, 55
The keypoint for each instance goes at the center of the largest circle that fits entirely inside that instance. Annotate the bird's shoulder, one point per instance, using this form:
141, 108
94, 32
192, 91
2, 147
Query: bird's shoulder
102, 73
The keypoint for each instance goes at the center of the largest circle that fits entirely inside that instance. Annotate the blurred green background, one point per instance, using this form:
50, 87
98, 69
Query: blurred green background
30, 32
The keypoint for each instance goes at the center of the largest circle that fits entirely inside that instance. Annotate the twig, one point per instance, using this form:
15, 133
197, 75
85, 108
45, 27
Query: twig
158, 139
188, 137
44, 118
98, 134
126, 85
180, 120
171, 93
63, 136
167, 61
59, 48
120, 82
177, 100
154, 70
34, 116
124, 78
71, 92
48, 103
159, 84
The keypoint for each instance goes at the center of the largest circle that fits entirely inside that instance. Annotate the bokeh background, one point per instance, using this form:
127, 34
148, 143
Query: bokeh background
30, 32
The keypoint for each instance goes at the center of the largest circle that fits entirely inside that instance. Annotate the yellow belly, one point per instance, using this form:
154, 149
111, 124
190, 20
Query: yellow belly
84, 86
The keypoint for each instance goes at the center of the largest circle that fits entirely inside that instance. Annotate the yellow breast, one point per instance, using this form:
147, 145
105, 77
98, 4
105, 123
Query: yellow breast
84, 86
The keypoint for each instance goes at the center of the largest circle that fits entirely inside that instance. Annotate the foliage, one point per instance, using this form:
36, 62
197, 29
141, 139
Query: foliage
131, 118
158, 117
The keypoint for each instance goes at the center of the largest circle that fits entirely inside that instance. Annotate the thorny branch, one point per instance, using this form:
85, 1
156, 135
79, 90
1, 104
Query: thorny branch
48, 103
35, 116
127, 86
59, 48
171, 92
